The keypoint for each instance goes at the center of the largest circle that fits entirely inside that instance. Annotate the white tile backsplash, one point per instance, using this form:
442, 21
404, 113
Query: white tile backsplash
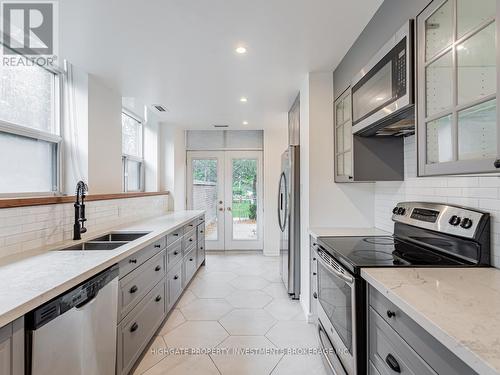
473, 191
29, 228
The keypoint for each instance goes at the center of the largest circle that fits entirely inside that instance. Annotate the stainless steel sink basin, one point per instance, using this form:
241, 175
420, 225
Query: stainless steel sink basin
95, 245
120, 236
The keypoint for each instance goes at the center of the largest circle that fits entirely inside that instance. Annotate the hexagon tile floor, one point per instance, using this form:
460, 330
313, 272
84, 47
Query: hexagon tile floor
235, 318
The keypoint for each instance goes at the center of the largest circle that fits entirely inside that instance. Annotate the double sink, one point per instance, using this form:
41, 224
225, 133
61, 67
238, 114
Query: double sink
109, 241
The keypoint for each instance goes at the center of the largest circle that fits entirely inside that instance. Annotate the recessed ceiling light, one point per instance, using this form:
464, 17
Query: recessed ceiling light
243, 99
241, 50
245, 122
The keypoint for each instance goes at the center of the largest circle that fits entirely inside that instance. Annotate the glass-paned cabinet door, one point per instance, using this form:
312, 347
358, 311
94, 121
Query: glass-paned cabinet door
457, 86
343, 138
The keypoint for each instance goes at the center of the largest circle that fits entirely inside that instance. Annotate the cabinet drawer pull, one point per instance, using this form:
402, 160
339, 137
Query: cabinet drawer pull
190, 259
134, 327
176, 277
392, 363
175, 234
132, 260
201, 247
191, 240
391, 314
201, 231
157, 246
315, 295
133, 289
497, 163
158, 298
314, 273
176, 253
157, 268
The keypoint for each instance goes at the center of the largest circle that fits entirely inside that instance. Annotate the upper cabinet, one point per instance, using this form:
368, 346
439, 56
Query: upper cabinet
343, 138
458, 130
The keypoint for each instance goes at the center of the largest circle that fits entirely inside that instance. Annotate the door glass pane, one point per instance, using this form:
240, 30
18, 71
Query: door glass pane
438, 30
472, 13
373, 94
340, 165
439, 140
340, 139
244, 199
477, 66
347, 108
335, 297
339, 113
205, 193
133, 175
27, 165
348, 164
439, 76
477, 132
347, 136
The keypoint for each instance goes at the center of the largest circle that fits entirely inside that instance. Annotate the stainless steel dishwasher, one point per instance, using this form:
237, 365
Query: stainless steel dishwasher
75, 333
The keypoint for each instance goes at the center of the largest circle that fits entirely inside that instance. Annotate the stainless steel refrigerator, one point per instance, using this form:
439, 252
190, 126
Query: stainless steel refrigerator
289, 220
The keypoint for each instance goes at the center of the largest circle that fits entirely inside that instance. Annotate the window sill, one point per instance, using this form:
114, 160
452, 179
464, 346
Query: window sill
42, 201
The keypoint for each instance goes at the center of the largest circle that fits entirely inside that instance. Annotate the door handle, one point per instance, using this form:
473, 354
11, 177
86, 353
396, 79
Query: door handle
229, 208
221, 209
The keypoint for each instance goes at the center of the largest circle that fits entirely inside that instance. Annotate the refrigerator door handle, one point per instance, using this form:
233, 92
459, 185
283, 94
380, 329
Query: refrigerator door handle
282, 223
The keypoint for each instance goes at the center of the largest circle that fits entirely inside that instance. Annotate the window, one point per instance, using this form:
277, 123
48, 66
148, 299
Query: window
30, 137
132, 153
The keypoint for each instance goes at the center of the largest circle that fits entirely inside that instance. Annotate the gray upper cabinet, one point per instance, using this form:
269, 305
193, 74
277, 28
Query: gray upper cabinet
458, 130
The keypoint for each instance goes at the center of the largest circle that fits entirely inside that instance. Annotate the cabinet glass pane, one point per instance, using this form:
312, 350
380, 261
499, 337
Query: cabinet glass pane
347, 108
472, 13
339, 113
477, 132
347, 136
477, 66
340, 165
439, 88
439, 140
348, 164
340, 139
438, 30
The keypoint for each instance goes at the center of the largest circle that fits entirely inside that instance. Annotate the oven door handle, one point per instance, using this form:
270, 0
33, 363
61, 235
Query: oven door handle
325, 356
348, 279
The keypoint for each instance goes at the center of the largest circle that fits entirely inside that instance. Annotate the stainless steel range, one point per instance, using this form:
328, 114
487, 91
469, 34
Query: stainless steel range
425, 235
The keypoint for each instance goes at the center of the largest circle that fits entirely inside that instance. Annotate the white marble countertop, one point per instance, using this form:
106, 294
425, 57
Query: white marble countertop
460, 307
346, 232
30, 281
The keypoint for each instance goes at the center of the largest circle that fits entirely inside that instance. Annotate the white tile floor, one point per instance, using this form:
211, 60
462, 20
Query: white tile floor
236, 304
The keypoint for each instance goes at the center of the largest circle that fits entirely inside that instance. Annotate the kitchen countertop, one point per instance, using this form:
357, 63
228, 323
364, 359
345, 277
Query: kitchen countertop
29, 282
347, 232
460, 307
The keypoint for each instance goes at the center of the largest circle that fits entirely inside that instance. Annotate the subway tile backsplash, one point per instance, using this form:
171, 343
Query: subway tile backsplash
28, 228
481, 192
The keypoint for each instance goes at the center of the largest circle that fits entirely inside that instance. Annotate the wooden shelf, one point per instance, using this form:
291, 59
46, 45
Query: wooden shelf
42, 201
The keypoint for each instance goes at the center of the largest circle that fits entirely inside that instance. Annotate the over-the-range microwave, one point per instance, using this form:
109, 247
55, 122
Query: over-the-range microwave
382, 92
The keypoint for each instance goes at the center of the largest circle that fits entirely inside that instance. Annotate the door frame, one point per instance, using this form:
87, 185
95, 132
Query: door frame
225, 239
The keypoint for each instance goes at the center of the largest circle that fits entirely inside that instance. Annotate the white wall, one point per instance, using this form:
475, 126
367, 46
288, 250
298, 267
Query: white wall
104, 138
481, 192
275, 143
173, 164
324, 203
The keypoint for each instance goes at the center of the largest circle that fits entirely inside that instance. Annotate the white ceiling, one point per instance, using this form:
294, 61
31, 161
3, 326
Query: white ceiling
180, 53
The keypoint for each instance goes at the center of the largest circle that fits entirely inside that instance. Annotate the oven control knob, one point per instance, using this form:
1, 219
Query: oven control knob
466, 223
401, 211
395, 210
454, 220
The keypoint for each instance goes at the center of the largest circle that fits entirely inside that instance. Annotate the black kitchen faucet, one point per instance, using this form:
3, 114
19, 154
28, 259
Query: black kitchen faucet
79, 226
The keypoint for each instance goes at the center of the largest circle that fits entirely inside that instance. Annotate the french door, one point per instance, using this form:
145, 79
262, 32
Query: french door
228, 186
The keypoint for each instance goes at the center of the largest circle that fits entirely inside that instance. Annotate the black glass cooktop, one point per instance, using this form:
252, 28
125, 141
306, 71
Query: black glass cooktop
357, 252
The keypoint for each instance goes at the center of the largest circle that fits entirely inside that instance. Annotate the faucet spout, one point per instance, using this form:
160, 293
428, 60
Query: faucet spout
79, 225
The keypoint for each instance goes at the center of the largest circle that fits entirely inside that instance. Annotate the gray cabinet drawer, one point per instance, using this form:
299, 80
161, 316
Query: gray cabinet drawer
190, 266
435, 354
130, 263
201, 230
189, 240
174, 236
12, 348
135, 332
387, 347
174, 254
190, 226
139, 282
174, 284
200, 220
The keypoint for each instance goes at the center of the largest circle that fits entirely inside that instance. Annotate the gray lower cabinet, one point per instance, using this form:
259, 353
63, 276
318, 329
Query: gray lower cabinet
397, 344
151, 282
12, 348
